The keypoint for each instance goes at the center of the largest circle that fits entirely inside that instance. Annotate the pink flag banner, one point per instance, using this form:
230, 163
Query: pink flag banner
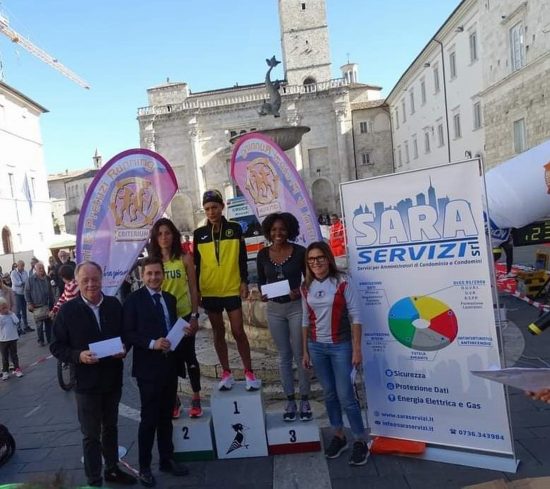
121, 205
270, 183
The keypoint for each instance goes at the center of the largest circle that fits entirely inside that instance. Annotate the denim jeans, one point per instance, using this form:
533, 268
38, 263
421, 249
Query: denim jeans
285, 325
21, 309
332, 364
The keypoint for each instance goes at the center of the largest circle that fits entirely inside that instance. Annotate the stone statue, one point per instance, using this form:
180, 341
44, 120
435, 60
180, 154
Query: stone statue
274, 103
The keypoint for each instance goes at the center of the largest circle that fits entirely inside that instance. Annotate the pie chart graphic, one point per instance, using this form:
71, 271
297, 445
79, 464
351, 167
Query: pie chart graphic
423, 323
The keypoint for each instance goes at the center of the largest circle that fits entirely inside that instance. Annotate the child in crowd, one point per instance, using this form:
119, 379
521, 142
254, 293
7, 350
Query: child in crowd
9, 323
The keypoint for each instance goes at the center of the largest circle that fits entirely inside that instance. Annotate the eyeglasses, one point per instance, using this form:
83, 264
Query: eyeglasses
317, 259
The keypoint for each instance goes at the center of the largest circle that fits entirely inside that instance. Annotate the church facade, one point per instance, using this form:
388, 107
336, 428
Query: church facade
350, 134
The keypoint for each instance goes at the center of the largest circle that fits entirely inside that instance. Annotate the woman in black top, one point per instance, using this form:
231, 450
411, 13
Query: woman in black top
283, 260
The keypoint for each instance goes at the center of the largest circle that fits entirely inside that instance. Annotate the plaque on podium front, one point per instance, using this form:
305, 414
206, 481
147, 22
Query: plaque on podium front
192, 438
239, 423
294, 437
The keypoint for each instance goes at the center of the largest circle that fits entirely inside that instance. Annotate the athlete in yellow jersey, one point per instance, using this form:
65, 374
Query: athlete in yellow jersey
220, 262
180, 281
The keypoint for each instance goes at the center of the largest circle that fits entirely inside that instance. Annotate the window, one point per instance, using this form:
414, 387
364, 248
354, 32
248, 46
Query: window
517, 46
519, 135
33, 188
364, 127
303, 6
477, 115
397, 118
423, 91
456, 123
399, 160
411, 95
407, 152
12, 185
404, 114
452, 64
415, 148
436, 79
440, 136
365, 159
426, 142
473, 46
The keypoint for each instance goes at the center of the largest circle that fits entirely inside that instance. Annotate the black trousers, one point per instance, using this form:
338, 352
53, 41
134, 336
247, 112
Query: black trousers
157, 401
98, 416
187, 361
8, 350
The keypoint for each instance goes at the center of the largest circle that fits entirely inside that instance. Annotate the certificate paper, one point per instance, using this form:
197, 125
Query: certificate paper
527, 379
276, 289
107, 348
177, 332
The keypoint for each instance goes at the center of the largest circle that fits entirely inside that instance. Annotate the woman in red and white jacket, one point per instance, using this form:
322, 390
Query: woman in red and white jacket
332, 343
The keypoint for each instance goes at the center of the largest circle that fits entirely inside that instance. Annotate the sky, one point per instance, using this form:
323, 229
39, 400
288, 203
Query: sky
123, 47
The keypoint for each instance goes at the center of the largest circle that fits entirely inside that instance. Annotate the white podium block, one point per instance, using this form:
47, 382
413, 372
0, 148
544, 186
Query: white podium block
192, 438
239, 422
291, 437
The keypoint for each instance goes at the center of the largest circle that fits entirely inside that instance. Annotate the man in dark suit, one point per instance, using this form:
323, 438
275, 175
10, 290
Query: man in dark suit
88, 318
149, 313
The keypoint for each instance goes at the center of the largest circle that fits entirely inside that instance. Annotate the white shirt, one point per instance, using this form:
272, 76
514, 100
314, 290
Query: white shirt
94, 308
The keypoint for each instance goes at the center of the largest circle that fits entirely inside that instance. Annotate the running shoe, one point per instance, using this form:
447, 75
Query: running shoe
252, 383
226, 381
195, 411
359, 453
305, 411
336, 447
290, 411
18, 372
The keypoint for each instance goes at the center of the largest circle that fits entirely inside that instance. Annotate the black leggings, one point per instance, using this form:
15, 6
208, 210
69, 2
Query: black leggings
8, 349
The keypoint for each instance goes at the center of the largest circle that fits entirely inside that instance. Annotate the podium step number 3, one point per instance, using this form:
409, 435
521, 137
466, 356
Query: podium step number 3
239, 422
296, 437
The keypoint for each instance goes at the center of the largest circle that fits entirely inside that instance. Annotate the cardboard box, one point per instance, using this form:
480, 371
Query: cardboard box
529, 483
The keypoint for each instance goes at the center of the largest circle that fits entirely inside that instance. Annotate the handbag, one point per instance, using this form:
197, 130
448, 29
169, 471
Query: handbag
40, 313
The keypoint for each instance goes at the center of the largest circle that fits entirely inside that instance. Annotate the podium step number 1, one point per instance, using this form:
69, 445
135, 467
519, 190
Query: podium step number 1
239, 422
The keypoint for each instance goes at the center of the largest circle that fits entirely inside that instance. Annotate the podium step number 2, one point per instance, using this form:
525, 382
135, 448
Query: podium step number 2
239, 422
192, 438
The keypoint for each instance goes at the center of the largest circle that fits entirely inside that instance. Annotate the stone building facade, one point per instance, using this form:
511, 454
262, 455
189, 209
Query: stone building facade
192, 130
25, 216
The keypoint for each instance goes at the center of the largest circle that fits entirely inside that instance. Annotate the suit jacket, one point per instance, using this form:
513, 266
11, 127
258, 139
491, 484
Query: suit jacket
75, 328
141, 325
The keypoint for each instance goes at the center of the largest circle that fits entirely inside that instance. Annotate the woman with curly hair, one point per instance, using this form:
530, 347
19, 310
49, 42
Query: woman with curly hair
284, 260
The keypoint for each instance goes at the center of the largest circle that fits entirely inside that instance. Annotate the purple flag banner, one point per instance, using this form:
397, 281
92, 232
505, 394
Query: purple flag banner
270, 183
121, 205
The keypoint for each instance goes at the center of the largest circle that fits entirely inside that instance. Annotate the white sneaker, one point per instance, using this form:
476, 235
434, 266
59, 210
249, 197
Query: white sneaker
5, 376
226, 382
252, 383
510, 275
18, 372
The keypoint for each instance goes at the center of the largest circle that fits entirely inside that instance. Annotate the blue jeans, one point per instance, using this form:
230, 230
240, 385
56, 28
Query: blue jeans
21, 310
332, 364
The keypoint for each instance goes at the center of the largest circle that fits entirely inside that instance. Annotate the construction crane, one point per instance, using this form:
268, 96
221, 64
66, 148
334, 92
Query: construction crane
39, 53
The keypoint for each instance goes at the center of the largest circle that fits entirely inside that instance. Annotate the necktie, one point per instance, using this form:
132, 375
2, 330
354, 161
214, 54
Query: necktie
160, 311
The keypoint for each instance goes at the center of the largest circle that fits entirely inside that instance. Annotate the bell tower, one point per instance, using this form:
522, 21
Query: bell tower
304, 41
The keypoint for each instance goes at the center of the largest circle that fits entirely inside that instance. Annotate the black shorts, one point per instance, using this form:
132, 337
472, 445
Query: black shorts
218, 304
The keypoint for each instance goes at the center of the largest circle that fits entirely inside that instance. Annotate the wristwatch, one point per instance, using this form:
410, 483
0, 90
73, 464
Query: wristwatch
195, 315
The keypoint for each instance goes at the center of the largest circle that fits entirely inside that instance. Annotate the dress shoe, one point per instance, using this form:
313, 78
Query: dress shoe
147, 479
173, 467
119, 477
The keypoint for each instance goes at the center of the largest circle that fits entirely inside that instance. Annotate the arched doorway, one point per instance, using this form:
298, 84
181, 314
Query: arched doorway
181, 213
6, 240
323, 196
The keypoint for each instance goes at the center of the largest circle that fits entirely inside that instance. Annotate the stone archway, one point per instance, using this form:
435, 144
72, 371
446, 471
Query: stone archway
323, 196
7, 243
181, 212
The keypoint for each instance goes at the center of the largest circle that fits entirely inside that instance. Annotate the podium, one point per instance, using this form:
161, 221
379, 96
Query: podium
291, 437
192, 438
239, 422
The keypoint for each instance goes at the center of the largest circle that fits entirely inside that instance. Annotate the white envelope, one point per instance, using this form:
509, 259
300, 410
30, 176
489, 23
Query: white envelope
276, 289
177, 332
107, 348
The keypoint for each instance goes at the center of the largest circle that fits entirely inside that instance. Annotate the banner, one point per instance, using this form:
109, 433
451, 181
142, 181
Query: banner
270, 183
418, 256
518, 191
121, 205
